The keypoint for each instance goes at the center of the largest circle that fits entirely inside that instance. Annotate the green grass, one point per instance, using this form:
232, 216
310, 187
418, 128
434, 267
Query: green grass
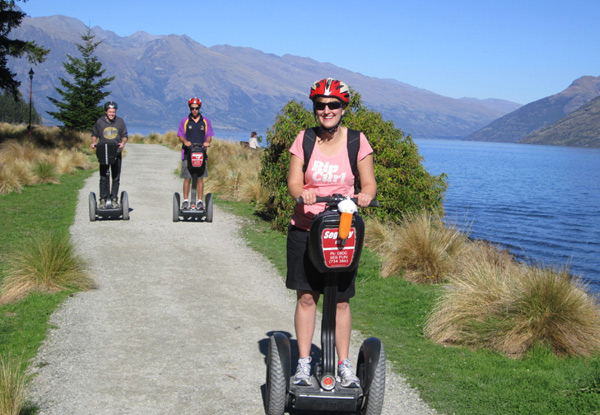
45, 207
451, 380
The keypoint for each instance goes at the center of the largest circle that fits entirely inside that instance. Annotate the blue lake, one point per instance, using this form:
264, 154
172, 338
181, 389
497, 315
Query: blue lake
540, 202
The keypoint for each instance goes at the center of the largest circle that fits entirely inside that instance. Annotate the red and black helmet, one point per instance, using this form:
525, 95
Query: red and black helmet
330, 88
195, 100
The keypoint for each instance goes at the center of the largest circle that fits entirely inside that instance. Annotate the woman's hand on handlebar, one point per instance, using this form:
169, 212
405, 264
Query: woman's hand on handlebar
309, 197
363, 200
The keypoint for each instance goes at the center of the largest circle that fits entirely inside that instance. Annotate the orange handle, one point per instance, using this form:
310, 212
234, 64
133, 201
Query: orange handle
345, 224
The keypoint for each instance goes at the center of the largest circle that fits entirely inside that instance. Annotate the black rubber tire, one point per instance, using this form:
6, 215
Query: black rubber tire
125, 205
209, 207
93, 207
276, 381
371, 372
176, 205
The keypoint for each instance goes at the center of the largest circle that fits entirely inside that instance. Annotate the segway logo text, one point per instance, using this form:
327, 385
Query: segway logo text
334, 235
326, 173
197, 159
338, 255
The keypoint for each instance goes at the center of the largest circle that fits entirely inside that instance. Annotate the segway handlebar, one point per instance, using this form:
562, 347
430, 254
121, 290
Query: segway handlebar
333, 200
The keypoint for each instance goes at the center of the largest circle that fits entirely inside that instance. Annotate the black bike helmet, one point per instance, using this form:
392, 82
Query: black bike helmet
110, 104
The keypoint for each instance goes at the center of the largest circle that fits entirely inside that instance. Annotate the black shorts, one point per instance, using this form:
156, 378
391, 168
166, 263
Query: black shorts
301, 273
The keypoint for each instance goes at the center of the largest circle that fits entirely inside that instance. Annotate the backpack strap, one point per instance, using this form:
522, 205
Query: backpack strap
353, 143
308, 143
353, 147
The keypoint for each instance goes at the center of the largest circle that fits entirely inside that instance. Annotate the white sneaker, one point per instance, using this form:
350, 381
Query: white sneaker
302, 376
346, 375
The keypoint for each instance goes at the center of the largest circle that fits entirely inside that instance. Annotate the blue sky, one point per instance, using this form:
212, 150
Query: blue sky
518, 50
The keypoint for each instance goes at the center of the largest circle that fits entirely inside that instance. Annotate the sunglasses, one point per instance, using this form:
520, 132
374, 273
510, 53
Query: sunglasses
194, 108
333, 105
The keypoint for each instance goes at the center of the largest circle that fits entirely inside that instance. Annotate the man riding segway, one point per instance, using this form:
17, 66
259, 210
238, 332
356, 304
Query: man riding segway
193, 129
109, 136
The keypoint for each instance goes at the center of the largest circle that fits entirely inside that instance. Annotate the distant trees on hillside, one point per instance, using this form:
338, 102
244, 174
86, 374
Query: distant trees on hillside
15, 110
80, 107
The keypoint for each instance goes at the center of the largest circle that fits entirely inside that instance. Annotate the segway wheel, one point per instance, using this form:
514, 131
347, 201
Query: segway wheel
125, 205
176, 205
276, 380
209, 207
371, 372
92, 206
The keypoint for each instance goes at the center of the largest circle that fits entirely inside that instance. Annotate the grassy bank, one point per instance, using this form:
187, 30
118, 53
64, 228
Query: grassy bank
453, 380
39, 208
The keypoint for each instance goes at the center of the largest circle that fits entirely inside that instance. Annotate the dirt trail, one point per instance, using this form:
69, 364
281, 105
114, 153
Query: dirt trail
181, 318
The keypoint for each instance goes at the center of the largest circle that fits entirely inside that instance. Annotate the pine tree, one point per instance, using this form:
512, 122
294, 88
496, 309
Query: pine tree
10, 18
80, 107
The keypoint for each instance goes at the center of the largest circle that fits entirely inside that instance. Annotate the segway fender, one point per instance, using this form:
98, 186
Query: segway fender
370, 352
285, 352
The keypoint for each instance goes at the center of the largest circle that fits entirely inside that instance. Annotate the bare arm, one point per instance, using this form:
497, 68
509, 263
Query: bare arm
368, 185
296, 182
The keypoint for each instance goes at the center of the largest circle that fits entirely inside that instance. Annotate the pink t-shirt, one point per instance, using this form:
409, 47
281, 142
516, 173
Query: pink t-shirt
327, 175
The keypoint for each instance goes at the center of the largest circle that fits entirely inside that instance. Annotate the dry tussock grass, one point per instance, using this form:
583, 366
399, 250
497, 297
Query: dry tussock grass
509, 308
234, 172
14, 175
47, 263
421, 247
13, 386
170, 140
18, 150
378, 234
24, 163
44, 172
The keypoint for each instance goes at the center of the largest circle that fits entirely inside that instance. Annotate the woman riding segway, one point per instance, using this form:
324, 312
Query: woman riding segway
328, 171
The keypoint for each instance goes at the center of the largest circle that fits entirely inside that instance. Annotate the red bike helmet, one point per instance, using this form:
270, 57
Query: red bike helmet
195, 100
330, 88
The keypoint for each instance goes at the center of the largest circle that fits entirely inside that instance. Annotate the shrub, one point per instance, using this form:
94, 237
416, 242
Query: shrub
513, 308
47, 263
403, 183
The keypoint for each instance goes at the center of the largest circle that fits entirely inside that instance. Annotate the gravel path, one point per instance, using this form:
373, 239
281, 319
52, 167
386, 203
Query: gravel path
180, 321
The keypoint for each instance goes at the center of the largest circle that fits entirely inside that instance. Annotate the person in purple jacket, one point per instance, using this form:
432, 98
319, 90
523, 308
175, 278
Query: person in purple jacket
193, 129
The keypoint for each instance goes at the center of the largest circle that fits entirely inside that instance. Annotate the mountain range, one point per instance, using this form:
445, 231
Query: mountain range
580, 128
566, 118
241, 88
